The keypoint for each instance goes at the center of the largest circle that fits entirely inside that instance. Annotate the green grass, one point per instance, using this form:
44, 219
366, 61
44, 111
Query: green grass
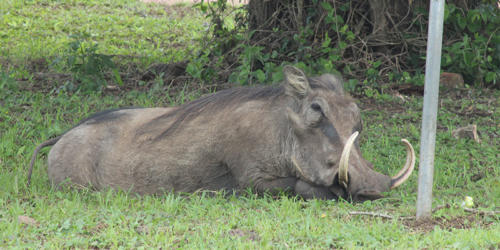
115, 219
144, 33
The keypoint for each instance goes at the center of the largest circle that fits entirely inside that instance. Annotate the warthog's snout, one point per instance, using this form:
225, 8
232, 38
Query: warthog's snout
372, 186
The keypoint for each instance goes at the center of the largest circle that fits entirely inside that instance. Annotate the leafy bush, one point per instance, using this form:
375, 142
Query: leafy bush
333, 39
473, 47
88, 68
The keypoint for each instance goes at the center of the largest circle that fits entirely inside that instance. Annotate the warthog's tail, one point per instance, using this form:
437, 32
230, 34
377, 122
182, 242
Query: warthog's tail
46, 143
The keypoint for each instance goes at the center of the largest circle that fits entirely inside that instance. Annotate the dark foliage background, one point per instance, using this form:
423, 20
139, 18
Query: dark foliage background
377, 44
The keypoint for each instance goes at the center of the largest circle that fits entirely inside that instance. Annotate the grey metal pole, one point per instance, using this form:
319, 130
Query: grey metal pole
431, 89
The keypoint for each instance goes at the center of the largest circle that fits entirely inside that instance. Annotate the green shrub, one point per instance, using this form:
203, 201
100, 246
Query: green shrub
88, 67
471, 45
475, 48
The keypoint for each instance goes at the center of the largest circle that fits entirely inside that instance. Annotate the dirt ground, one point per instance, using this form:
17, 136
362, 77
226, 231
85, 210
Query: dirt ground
457, 222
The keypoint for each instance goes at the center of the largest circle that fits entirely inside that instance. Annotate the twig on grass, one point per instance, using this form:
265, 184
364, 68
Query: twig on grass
371, 214
385, 216
475, 211
440, 207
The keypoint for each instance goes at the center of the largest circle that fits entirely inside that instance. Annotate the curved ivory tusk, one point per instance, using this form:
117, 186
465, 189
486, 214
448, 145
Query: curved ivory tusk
344, 160
406, 171
296, 165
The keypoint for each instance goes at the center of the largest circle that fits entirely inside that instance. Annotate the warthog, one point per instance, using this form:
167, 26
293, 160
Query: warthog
298, 137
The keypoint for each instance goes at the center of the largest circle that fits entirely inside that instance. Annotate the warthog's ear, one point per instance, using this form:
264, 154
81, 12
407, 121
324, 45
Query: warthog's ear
296, 83
333, 82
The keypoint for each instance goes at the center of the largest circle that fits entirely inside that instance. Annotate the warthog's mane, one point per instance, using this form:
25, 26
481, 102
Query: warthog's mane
105, 116
222, 100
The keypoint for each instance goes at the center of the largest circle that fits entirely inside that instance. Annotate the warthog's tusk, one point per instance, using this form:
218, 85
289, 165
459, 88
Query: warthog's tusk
296, 165
344, 160
406, 171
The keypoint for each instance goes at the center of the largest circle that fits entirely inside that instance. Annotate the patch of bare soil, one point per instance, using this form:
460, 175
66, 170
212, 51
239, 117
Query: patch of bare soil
369, 104
458, 222
168, 71
247, 234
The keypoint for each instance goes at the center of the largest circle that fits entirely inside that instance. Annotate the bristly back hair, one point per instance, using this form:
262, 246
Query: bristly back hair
218, 102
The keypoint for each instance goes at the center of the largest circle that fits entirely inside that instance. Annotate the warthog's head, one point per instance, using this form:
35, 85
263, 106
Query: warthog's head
325, 123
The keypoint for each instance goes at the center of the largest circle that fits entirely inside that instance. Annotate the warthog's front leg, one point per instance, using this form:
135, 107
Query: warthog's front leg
310, 191
295, 186
285, 184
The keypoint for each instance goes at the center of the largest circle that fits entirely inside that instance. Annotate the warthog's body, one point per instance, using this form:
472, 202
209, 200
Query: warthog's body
288, 137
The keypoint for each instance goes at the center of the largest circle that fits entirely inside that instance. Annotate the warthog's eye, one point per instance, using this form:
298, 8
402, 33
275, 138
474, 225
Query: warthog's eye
315, 115
316, 108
